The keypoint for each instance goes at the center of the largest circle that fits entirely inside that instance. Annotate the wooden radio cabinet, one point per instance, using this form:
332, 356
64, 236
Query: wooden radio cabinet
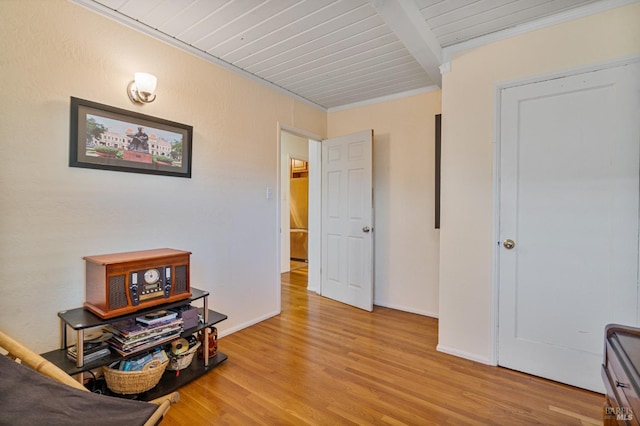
122, 283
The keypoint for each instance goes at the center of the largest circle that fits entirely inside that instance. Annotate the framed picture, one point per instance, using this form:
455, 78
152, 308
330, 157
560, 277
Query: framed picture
104, 137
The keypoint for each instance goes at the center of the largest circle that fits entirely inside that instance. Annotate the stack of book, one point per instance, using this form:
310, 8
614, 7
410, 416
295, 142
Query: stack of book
131, 336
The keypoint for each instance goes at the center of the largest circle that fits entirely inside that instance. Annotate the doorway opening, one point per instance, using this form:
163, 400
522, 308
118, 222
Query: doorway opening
340, 171
300, 212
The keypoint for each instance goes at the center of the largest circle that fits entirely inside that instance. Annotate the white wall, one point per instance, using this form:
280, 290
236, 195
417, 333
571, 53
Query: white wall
52, 215
406, 243
468, 105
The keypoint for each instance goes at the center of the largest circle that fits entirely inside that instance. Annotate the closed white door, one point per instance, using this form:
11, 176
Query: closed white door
347, 219
568, 225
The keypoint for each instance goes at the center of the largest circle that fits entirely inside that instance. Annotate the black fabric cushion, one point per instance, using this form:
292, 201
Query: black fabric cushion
29, 398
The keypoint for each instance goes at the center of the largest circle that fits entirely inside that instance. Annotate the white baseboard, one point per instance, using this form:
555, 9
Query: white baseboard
463, 354
406, 309
232, 330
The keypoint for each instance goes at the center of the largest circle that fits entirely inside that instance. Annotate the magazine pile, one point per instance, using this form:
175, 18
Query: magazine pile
135, 335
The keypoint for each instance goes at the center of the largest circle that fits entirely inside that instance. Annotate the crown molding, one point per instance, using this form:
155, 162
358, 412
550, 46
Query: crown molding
395, 96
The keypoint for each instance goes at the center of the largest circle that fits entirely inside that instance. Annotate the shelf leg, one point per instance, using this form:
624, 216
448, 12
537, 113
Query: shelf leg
205, 315
80, 348
63, 335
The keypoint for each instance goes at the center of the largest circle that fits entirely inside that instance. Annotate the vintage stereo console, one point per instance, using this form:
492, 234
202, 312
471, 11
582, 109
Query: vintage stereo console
121, 283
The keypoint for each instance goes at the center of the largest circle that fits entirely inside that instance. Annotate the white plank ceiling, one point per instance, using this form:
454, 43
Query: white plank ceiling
331, 53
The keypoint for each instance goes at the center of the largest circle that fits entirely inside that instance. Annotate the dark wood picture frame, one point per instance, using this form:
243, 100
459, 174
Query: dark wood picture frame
109, 138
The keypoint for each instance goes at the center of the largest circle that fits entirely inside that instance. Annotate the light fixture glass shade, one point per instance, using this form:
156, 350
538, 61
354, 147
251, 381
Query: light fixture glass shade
146, 83
142, 89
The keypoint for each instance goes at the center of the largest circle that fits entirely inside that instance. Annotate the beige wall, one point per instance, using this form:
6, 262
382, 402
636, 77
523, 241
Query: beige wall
468, 107
52, 215
406, 243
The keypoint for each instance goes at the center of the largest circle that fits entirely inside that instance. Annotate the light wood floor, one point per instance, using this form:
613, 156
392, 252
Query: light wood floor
324, 363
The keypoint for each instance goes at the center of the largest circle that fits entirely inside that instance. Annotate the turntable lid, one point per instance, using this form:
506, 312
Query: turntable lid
132, 256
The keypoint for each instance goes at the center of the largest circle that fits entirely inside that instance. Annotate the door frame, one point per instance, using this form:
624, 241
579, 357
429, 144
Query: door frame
315, 147
581, 69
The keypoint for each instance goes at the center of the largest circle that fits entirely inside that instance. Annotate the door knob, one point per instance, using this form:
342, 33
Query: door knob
509, 244
366, 229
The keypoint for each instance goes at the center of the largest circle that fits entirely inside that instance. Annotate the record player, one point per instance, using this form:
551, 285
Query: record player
122, 283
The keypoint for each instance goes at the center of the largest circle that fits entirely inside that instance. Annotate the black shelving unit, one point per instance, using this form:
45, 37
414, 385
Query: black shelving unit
80, 319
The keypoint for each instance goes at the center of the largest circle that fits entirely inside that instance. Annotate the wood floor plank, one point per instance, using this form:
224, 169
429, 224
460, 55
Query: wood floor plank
324, 363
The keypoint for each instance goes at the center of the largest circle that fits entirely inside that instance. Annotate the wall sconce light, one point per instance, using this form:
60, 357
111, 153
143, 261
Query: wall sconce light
142, 88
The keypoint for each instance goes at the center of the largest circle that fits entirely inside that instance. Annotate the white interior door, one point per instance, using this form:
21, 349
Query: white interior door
347, 219
569, 159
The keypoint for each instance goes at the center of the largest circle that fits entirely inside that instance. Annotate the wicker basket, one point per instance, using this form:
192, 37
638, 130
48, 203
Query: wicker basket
131, 382
179, 362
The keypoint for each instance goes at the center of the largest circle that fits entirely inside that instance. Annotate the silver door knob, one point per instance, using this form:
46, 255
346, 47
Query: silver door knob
509, 244
366, 229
